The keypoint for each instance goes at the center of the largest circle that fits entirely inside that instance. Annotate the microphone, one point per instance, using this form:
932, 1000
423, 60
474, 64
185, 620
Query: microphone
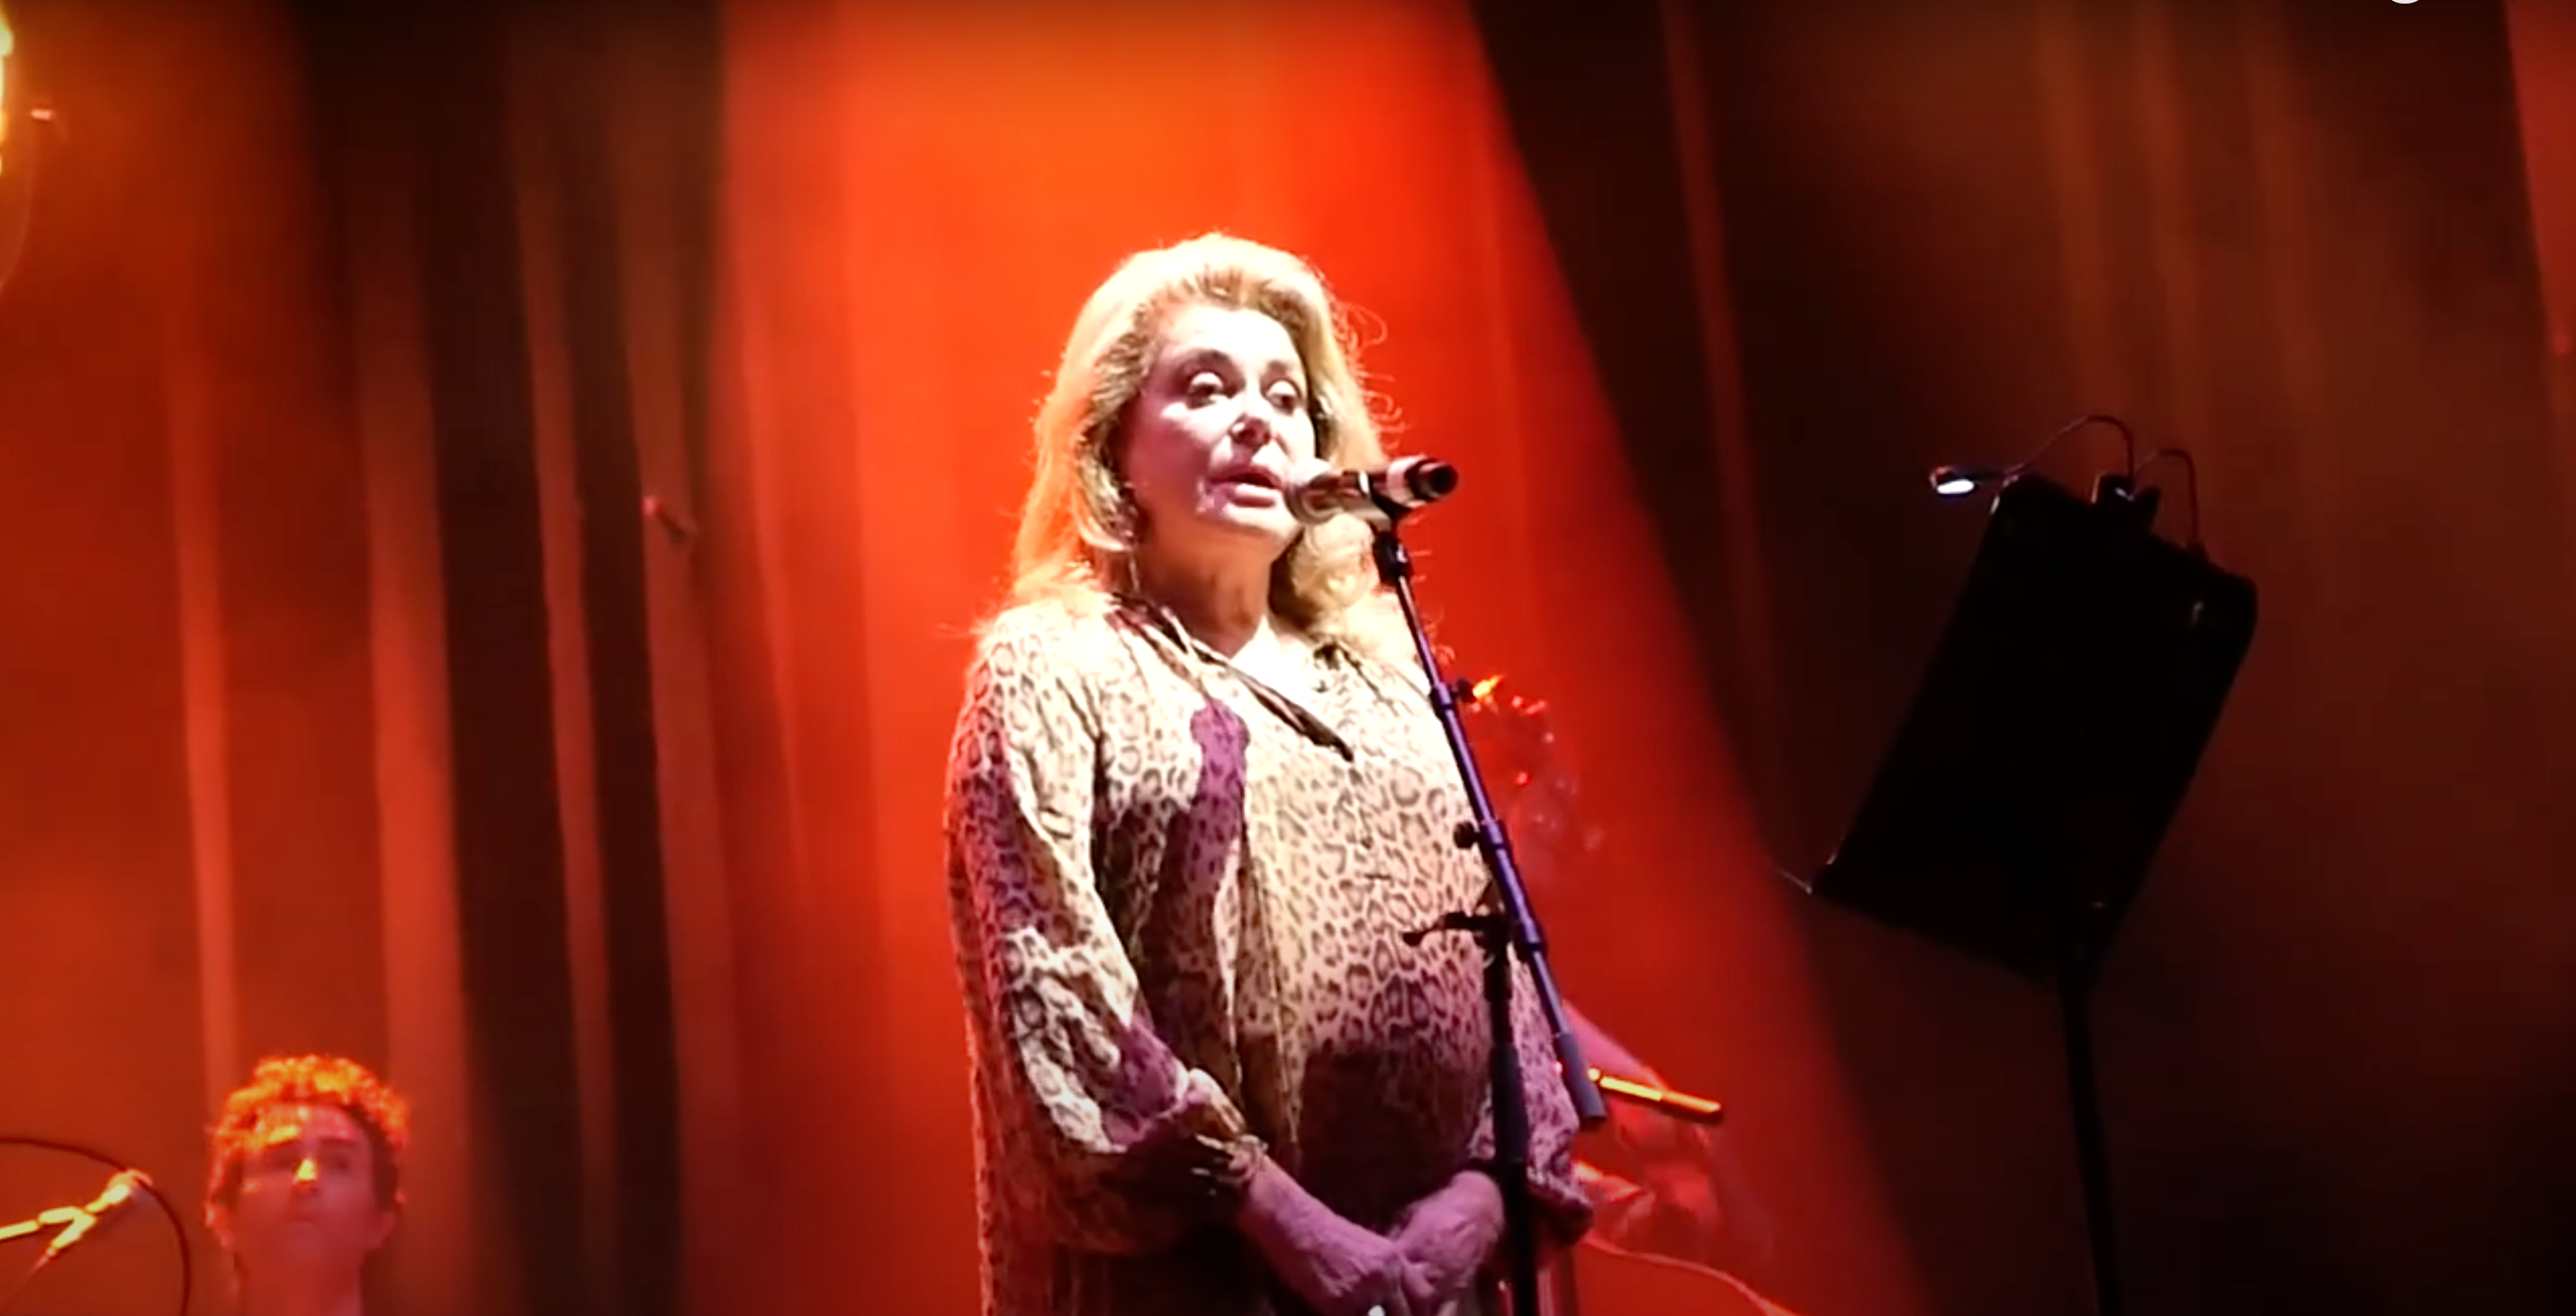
1318, 492
101, 1214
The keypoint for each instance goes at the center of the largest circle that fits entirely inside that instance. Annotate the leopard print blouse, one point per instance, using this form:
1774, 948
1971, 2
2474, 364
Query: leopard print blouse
1178, 896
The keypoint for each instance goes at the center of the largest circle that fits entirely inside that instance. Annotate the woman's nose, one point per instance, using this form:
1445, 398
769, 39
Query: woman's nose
1254, 428
308, 1173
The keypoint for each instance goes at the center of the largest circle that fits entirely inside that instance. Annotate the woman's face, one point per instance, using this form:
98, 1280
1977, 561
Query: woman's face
1222, 419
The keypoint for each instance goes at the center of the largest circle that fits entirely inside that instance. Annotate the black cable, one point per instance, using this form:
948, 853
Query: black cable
2190, 485
178, 1229
1957, 481
2128, 442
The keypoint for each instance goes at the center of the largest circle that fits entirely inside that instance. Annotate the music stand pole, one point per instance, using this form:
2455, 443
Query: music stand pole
2076, 973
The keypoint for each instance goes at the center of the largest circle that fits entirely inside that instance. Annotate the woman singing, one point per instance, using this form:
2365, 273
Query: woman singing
1195, 799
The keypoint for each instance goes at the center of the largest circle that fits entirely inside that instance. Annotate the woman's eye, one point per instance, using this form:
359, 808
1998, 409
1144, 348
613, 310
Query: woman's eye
1287, 397
1206, 385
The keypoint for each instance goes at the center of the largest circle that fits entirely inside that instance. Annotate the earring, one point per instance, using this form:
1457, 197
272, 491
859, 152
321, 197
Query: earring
1131, 584
1127, 518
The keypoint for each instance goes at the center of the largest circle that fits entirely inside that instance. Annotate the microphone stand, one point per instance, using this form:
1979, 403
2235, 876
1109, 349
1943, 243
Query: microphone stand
1504, 927
53, 1219
72, 1217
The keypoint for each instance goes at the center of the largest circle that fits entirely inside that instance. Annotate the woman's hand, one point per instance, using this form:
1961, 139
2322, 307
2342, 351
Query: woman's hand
1339, 1268
1344, 1270
1448, 1236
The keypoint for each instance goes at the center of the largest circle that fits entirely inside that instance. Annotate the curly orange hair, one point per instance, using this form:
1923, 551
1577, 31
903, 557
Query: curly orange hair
311, 1081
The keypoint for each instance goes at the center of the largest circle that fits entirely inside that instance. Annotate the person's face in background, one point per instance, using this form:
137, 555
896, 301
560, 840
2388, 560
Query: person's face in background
1535, 790
308, 1209
1551, 840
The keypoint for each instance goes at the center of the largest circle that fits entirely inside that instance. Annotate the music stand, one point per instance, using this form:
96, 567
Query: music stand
2054, 735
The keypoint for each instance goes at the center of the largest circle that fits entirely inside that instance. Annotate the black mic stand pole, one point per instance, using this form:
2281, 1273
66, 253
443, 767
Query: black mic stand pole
1504, 926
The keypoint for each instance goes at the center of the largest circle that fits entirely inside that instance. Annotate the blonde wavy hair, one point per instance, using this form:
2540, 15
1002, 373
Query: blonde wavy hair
1080, 530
